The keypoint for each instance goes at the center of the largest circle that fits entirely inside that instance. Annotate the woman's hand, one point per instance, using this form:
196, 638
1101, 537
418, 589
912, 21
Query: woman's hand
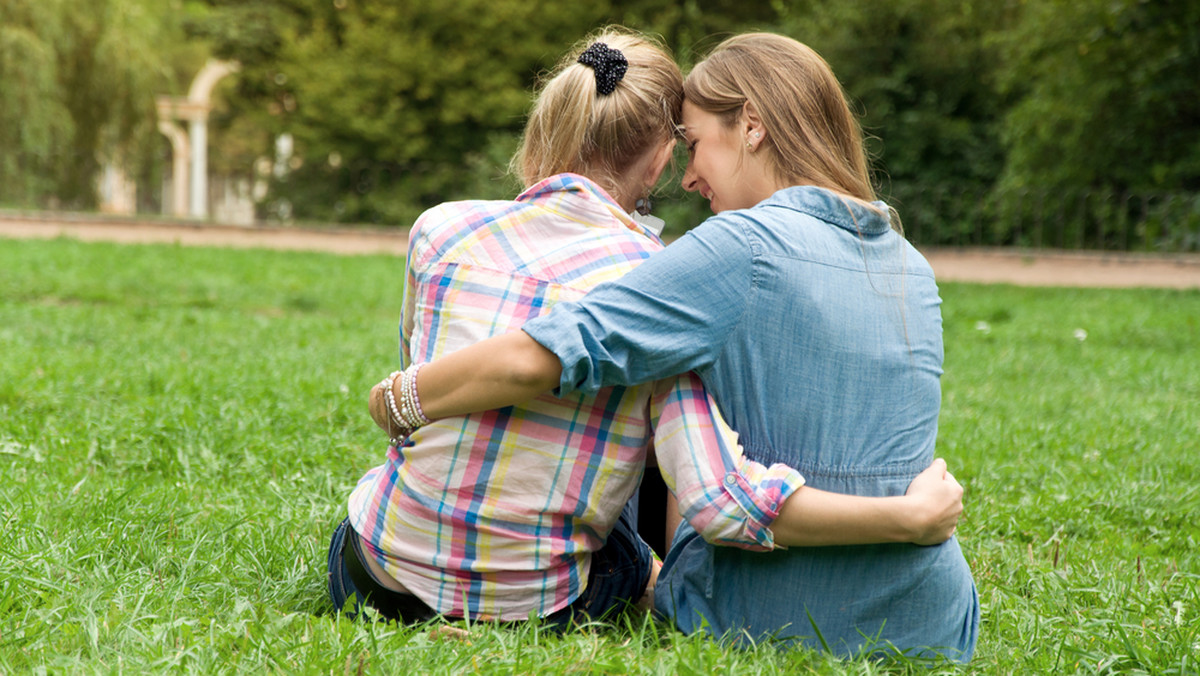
935, 499
379, 410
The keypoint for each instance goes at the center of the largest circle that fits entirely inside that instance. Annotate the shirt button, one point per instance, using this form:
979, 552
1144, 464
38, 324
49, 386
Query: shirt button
730, 479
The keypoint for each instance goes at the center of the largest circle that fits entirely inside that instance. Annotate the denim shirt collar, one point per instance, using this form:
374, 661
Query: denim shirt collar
828, 206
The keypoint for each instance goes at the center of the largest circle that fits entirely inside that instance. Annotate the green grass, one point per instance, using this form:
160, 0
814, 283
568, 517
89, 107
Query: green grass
179, 429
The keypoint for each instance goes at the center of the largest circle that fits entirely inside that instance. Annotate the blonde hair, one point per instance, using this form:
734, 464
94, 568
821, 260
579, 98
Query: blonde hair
812, 136
572, 128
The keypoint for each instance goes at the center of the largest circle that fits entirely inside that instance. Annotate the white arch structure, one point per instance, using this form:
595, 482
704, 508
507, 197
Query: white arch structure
189, 148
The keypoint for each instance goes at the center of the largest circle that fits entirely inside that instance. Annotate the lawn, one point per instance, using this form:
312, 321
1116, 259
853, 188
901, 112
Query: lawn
180, 427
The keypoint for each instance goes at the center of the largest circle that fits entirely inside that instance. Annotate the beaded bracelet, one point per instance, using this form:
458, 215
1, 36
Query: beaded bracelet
407, 413
410, 399
393, 414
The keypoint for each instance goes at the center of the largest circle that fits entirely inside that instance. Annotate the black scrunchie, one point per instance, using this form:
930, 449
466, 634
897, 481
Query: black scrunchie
610, 66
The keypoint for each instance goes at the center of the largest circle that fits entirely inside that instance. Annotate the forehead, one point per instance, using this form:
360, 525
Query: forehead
696, 119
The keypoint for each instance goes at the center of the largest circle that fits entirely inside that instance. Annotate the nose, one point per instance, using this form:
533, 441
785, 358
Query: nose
689, 179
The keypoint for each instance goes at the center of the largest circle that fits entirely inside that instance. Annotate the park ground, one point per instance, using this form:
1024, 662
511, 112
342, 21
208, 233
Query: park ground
981, 265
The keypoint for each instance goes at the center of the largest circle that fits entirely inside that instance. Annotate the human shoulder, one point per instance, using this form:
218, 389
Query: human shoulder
733, 232
720, 250
451, 229
734, 223
461, 215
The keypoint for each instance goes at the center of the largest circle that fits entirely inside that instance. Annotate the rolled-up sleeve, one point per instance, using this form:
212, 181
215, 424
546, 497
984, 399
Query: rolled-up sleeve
728, 498
671, 314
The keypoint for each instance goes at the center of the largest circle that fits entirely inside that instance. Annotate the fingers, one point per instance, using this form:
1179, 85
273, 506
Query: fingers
378, 409
936, 469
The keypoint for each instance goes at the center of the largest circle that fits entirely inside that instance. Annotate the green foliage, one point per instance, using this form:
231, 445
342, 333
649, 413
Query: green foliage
1104, 94
397, 106
1040, 217
34, 123
180, 428
77, 86
389, 104
921, 73
394, 106
1045, 124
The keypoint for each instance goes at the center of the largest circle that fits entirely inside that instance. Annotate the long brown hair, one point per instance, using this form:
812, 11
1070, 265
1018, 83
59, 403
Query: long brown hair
812, 136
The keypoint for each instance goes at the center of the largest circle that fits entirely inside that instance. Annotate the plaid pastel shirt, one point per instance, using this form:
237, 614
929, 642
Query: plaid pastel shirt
497, 513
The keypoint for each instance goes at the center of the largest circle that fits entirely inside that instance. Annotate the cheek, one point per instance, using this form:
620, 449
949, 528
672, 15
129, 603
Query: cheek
719, 166
710, 163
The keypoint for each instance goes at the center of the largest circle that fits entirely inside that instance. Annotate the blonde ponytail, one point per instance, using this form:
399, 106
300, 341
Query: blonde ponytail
574, 128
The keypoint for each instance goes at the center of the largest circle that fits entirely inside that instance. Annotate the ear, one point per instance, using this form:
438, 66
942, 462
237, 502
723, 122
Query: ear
658, 163
752, 125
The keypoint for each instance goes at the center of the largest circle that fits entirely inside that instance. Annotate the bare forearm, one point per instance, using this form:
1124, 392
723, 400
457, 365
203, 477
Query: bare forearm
501, 371
811, 517
927, 514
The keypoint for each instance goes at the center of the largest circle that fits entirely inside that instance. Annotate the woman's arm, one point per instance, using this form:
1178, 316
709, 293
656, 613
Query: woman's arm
507, 369
926, 515
625, 332
730, 499
512, 368
501, 371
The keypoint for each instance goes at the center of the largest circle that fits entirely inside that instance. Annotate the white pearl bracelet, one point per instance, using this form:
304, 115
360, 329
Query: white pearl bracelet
393, 414
407, 413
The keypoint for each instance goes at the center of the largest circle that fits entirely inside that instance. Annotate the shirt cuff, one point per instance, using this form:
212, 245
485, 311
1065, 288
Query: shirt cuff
560, 333
760, 492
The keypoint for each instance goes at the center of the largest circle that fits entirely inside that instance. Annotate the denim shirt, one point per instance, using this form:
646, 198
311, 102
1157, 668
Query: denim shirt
817, 328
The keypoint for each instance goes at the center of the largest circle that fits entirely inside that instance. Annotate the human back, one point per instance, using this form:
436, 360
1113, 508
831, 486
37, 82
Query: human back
498, 513
502, 513
833, 367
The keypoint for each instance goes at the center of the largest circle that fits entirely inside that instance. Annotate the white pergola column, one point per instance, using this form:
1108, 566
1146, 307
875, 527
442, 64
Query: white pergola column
200, 96
198, 129
180, 158
194, 110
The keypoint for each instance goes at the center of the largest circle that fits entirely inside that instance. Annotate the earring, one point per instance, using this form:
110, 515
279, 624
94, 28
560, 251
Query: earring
643, 205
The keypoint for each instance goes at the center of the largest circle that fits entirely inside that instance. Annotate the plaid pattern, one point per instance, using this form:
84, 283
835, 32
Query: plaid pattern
496, 514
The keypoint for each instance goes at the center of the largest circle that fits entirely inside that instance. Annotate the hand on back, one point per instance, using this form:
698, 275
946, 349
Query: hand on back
936, 498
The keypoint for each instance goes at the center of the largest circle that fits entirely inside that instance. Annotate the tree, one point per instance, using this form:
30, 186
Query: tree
1105, 95
34, 122
921, 74
77, 86
387, 102
397, 105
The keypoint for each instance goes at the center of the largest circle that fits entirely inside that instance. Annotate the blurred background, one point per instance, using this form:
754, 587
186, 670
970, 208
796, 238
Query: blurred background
1031, 123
